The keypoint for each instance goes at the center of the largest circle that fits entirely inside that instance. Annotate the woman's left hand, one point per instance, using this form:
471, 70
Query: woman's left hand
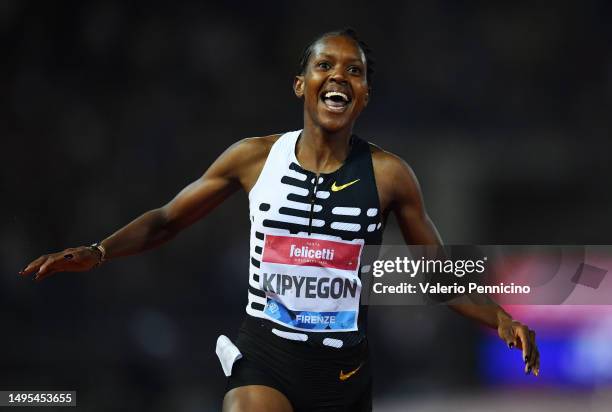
517, 335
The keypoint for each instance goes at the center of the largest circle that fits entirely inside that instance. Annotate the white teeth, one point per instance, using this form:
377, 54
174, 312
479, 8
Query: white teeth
330, 94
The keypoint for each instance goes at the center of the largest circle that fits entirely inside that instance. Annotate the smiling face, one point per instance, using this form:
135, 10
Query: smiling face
334, 84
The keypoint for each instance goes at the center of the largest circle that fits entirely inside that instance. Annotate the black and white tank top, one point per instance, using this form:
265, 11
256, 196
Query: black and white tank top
307, 237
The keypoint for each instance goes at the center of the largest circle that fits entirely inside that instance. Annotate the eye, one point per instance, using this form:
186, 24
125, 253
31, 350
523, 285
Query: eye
354, 70
324, 65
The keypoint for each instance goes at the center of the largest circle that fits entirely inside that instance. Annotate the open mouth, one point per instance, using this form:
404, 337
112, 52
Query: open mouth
335, 101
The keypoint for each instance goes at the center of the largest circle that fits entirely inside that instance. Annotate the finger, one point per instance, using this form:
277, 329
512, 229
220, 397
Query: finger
506, 336
513, 342
45, 275
534, 349
58, 262
522, 334
536, 357
33, 266
49, 265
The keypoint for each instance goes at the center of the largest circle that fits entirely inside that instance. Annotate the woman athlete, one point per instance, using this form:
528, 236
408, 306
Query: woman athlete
316, 197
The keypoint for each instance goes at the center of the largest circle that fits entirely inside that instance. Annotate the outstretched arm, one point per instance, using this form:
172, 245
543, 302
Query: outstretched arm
195, 201
406, 202
232, 170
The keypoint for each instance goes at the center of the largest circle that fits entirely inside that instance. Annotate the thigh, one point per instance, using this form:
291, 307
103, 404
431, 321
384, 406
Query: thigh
364, 400
256, 398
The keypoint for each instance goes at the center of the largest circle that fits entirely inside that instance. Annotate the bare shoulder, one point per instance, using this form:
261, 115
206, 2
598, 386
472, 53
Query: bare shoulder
248, 156
395, 179
261, 142
248, 152
387, 163
254, 147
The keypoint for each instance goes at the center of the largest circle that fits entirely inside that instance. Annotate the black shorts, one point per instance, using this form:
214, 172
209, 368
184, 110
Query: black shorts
312, 378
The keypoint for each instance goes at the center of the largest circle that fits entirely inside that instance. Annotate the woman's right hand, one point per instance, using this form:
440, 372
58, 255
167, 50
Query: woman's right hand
79, 259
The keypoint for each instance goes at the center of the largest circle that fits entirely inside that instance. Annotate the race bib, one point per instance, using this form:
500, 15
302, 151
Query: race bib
311, 284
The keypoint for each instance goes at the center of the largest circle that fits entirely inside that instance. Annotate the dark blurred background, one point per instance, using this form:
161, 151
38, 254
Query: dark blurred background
109, 108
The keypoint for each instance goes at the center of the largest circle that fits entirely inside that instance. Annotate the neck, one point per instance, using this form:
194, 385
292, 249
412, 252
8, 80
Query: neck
322, 151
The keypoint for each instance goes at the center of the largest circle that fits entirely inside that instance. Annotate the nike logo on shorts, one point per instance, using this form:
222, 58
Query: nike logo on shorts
345, 376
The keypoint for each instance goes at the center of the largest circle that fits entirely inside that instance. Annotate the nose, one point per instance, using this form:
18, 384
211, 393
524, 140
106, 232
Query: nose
338, 77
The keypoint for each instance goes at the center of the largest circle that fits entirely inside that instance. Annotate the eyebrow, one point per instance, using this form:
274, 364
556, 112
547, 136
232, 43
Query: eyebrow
329, 56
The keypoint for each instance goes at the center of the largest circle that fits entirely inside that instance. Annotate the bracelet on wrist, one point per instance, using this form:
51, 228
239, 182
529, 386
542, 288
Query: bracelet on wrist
98, 248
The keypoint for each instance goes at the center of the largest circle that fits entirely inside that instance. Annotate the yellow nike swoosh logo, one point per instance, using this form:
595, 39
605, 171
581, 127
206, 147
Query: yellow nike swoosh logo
345, 376
335, 188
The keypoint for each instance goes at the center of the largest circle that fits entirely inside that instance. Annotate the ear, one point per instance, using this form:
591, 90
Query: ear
367, 98
298, 86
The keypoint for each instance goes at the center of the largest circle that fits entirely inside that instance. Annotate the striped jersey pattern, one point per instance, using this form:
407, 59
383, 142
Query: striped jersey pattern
290, 201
